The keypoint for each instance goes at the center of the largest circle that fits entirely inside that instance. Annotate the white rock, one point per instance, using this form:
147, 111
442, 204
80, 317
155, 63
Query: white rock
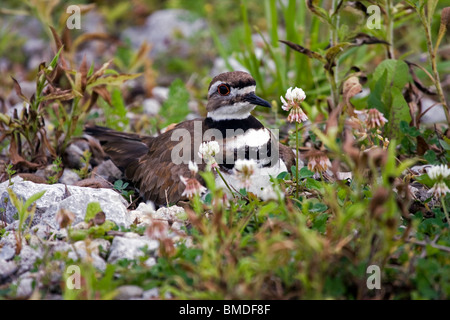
151, 294
7, 268
24, 288
69, 177
143, 214
151, 106
170, 213
126, 248
88, 253
129, 292
131, 235
56, 198
109, 171
28, 257
160, 93
7, 252
150, 262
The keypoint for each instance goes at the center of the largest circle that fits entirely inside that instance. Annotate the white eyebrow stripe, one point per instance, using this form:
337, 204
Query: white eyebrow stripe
214, 87
242, 91
234, 91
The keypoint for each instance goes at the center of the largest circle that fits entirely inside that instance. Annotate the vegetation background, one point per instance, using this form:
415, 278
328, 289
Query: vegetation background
319, 236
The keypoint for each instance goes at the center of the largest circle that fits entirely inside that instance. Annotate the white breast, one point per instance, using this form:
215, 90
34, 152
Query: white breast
259, 180
252, 138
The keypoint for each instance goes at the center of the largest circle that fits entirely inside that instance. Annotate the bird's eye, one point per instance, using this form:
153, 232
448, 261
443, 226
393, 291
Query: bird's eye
223, 89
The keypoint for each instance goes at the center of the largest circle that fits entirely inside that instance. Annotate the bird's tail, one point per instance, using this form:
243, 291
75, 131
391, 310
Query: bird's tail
124, 149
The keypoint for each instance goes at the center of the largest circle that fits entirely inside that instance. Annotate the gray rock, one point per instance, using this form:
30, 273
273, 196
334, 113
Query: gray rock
143, 214
56, 198
161, 94
151, 294
24, 288
151, 106
109, 171
170, 213
7, 268
69, 177
88, 254
28, 257
10, 241
129, 292
7, 252
46, 172
165, 29
43, 231
75, 152
150, 262
59, 246
126, 248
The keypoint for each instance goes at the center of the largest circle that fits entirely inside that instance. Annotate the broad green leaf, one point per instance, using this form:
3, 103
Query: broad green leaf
431, 157
376, 96
399, 112
318, 207
320, 222
397, 73
313, 184
92, 209
444, 145
425, 180
305, 173
282, 175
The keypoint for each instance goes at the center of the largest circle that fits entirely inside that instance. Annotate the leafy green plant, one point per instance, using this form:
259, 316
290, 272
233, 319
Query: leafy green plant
122, 186
25, 212
10, 172
57, 168
84, 171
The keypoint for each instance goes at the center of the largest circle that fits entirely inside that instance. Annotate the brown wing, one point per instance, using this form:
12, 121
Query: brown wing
158, 172
148, 161
123, 148
287, 156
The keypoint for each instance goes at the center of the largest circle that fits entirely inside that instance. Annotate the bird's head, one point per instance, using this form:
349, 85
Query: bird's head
231, 96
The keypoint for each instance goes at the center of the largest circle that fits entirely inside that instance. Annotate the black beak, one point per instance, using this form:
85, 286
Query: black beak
254, 99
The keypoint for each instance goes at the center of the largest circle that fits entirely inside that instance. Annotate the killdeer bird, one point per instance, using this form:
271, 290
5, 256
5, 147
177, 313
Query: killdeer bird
149, 162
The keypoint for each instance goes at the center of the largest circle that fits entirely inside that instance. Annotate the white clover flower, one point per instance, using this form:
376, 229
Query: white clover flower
207, 151
375, 119
293, 96
439, 173
245, 165
318, 161
193, 167
269, 193
193, 187
244, 169
291, 101
440, 189
297, 115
